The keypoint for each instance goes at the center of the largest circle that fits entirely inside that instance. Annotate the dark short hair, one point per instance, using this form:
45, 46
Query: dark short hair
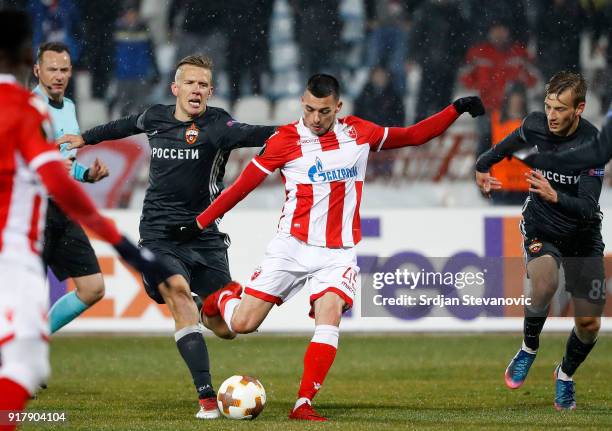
323, 85
58, 47
15, 33
562, 81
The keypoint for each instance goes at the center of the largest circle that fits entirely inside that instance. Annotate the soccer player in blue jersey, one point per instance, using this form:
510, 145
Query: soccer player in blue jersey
67, 250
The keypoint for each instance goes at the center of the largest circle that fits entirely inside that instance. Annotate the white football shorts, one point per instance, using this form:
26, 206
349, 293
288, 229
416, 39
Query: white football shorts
24, 302
289, 264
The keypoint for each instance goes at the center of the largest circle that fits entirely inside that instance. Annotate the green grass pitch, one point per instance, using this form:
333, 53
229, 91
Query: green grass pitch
382, 382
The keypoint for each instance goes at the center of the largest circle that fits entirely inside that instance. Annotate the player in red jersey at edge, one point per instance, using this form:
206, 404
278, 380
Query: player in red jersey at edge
322, 160
31, 166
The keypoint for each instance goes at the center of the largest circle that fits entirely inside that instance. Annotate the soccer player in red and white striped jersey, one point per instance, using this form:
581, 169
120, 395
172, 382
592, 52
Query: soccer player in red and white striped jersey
31, 166
322, 160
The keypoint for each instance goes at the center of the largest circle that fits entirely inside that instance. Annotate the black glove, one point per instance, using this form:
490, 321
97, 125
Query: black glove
144, 261
184, 232
471, 104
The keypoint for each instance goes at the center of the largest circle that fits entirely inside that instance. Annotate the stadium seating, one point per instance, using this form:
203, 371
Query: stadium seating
252, 109
287, 110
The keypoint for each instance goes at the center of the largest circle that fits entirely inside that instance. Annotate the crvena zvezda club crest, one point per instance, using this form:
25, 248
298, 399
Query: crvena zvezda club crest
256, 273
191, 134
350, 130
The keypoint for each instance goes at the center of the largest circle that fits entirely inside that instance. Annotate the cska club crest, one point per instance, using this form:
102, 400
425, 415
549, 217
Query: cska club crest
535, 246
350, 130
191, 134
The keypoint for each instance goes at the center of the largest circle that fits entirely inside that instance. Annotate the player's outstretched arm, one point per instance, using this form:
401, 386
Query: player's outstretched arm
596, 153
511, 144
433, 126
242, 135
117, 129
506, 148
77, 205
44, 159
248, 180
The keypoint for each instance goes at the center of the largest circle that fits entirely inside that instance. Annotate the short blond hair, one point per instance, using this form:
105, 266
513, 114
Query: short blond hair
196, 60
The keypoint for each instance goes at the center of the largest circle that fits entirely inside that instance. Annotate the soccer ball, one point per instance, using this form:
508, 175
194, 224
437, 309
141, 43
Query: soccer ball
241, 397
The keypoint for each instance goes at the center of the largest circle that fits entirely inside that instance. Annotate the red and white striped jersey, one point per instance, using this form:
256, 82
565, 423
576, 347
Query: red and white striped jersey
323, 178
23, 149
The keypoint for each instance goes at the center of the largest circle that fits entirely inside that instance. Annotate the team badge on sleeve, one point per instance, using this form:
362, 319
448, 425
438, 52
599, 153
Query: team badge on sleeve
256, 273
351, 132
191, 134
596, 172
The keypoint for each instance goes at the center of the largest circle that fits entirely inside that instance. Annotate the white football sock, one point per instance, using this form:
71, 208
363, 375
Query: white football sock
228, 311
326, 334
527, 349
562, 376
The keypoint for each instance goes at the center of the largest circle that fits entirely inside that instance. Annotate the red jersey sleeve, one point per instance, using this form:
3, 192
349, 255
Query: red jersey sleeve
280, 148
35, 142
368, 132
421, 132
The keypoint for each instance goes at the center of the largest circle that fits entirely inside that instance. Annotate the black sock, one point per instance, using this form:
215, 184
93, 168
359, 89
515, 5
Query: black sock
192, 348
575, 354
532, 327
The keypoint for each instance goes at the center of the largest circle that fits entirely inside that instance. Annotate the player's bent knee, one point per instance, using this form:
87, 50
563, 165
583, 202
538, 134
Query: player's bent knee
98, 291
90, 288
332, 301
329, 308
183, 302
177, 290
243, 324
588, 324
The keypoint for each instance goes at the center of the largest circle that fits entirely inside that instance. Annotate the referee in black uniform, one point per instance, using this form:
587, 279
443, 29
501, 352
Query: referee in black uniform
190, 144
561, 226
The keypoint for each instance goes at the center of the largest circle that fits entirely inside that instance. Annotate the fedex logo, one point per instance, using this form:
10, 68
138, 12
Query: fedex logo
502, 264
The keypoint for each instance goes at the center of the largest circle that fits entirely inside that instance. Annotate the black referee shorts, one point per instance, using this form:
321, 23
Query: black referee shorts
203, 262
67, 250
582, 260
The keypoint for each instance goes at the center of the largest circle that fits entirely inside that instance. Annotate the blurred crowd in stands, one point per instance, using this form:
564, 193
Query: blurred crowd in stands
399, 61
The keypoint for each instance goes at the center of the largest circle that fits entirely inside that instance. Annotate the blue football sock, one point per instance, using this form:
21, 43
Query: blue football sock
65, 310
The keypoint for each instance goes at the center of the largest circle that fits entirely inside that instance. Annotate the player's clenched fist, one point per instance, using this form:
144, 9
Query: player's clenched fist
471, 104
97, 171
